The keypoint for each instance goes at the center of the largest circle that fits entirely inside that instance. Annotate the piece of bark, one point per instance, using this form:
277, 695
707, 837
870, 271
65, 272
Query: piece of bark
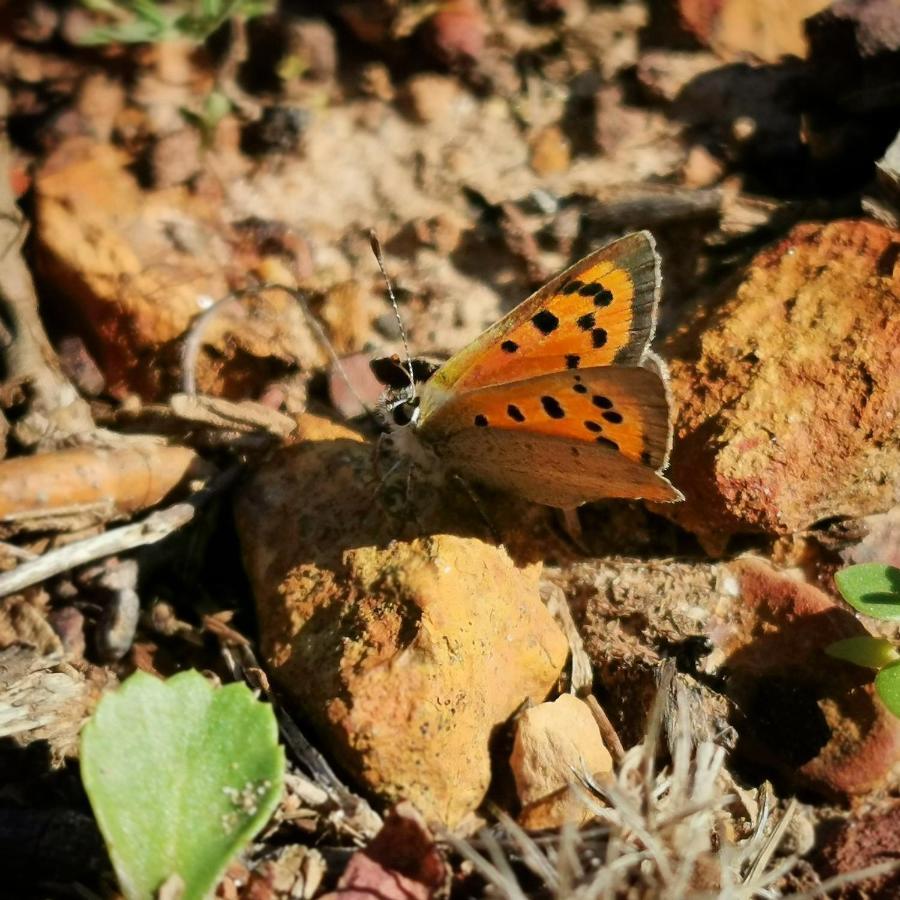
103, 483
55, 412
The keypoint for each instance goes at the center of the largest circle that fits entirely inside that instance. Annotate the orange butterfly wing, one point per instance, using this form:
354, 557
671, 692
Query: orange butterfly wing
561, 401
623, 409
562, 439
599, 312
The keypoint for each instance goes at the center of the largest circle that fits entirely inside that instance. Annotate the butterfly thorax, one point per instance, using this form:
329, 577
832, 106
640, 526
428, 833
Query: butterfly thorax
401, 412
408, 443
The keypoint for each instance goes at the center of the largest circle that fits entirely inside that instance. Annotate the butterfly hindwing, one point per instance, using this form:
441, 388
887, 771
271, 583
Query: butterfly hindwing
599, 312
623, 409
560, 472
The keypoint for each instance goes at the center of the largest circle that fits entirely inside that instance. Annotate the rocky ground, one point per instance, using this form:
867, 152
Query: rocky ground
444, 676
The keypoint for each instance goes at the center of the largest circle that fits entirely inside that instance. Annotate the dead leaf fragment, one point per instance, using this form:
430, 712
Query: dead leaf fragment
401, 863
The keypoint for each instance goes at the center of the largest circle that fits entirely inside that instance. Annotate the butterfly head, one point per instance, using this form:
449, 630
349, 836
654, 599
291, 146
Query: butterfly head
402, 409
401, 399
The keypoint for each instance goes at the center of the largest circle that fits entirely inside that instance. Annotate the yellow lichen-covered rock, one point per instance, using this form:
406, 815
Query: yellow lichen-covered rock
404, 655
554, 742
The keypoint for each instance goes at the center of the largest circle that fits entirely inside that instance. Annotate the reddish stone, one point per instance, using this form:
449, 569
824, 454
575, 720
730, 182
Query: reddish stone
787, 407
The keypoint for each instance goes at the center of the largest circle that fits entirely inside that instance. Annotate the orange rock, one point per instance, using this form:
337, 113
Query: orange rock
138, 267
346, 313
550, 151
737, 29
787, 404
404, 655
553, 743
428, 97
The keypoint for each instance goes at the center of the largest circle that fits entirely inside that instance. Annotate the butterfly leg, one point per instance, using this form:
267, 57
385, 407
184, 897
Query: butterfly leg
382, 477
377, 454
479, 508
408, 506
570, 523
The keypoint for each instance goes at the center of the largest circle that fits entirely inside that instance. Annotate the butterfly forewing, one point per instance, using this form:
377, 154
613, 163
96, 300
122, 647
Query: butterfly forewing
599, 312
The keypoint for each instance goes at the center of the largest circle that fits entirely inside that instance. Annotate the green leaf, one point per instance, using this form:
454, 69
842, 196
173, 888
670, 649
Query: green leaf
136, 32
871, 588
871, 652
887, 683
180, 776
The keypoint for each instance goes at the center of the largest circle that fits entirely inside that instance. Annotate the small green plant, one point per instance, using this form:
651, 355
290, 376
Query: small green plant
180, 775
874, 590
151, 21
214, 108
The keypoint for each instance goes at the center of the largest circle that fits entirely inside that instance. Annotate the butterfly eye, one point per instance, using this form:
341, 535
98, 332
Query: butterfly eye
406, 412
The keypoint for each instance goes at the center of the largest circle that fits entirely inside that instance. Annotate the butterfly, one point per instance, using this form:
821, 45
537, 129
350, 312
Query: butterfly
561, 402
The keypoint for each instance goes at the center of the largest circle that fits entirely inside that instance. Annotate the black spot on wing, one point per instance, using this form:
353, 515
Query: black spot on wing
552, 407
585, 322
573, 360
579, 388
481, 421
593, 426
598, 338
515, 413
602, 297
509, 346
606, 442
613, 416
572, 287
601, 402
545, 322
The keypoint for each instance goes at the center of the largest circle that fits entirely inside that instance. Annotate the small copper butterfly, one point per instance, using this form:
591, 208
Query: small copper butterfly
561, 401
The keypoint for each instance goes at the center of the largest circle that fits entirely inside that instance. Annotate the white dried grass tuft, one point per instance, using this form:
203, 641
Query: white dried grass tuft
665, 835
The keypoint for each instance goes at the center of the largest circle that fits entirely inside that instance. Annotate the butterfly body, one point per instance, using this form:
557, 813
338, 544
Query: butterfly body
561, 401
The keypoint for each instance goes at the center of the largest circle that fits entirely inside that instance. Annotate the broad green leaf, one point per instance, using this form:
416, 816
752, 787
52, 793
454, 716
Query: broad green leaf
180, 775
871, 652
871, 588
887, 683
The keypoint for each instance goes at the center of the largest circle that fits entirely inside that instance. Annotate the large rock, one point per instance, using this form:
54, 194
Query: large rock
750, 640
815, 719
788, 411
404, 655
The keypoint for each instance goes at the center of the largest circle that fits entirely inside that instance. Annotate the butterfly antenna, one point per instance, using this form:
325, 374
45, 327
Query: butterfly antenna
376, 249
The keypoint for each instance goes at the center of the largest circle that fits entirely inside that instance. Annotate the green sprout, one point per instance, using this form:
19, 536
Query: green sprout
150, 21
216, 105
874, 590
